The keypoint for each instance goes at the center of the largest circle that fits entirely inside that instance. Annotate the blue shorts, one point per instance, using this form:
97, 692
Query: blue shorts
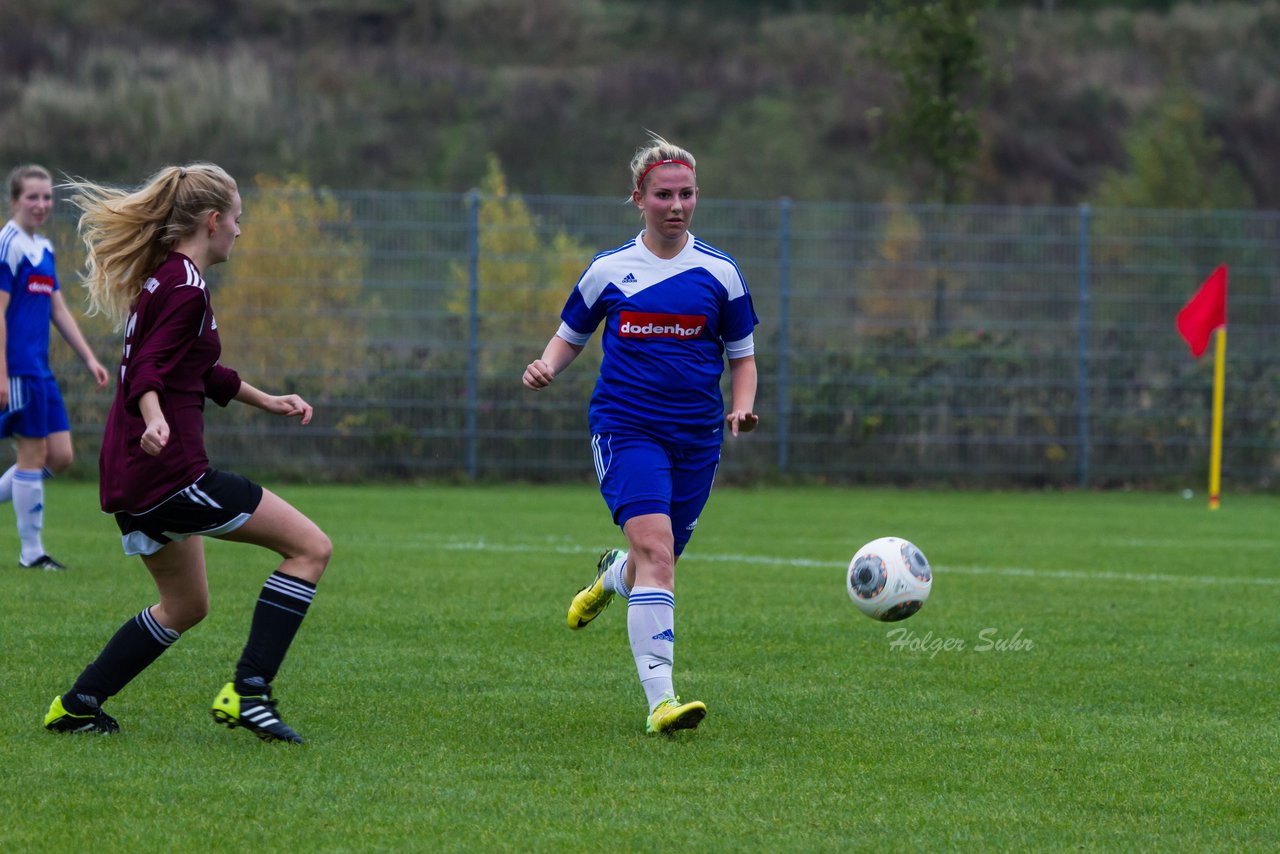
639, 475
35, 409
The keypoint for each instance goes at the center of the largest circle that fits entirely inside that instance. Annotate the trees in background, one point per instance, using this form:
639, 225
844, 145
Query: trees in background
413, 94
1174, 162
937, 53
293, 305
525, 268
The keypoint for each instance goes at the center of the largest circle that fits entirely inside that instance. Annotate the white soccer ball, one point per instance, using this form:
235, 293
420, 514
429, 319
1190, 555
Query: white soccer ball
889, 579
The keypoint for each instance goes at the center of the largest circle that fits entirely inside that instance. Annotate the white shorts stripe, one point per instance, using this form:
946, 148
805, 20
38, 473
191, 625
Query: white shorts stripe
17, 399
597, 454
204, 497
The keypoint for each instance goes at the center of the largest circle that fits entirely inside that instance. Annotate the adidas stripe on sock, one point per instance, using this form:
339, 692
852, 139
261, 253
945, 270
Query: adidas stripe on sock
651, 629
282, 604
133, 647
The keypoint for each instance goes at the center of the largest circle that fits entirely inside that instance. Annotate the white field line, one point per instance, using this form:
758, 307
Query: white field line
805, 563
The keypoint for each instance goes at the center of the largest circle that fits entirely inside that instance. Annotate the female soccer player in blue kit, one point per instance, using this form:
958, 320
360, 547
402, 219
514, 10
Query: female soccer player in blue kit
147, 254
31, 407
672, 307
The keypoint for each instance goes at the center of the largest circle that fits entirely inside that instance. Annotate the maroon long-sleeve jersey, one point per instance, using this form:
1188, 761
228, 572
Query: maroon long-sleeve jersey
171, 347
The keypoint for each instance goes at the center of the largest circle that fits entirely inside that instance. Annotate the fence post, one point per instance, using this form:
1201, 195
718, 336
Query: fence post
473, 332
784, 334
1082, 352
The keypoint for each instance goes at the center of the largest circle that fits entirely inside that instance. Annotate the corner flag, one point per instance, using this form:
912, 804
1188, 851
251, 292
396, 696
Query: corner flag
1205, 313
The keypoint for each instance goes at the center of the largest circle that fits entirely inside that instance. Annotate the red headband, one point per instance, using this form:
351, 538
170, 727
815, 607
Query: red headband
640, 183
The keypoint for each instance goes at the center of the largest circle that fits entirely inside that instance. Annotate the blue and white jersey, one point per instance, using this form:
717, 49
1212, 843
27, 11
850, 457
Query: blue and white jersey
668, 325
27, 276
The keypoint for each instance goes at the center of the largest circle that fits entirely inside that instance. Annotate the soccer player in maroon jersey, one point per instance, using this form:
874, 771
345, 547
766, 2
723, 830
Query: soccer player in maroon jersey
147, 251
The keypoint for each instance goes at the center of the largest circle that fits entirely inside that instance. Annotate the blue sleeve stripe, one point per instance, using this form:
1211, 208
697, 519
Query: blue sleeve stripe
716, 253
621, 248
700, 244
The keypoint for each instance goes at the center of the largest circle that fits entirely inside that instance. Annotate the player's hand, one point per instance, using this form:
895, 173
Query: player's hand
100, 374
538, 375
289, 405
741, 422
155, 437
4, 390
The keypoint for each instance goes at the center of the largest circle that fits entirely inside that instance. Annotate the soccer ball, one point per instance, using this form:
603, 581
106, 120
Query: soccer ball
889, 579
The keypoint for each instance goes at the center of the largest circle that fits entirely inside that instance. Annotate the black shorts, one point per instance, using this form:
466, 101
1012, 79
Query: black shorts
217, 503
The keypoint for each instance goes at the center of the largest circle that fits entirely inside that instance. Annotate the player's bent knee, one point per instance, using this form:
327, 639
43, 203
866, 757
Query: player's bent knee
655, 554
311, 558
322, 549
655, 566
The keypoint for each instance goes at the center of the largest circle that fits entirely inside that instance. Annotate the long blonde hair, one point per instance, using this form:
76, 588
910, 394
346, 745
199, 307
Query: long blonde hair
127, 234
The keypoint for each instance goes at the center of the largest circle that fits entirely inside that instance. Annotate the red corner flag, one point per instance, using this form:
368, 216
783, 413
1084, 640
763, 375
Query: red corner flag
1204, 312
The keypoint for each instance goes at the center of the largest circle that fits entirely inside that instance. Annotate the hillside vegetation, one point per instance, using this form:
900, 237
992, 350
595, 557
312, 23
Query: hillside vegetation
416, 94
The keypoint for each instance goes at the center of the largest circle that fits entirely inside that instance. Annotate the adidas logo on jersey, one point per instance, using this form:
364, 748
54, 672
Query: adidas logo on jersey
666, 635
629, 279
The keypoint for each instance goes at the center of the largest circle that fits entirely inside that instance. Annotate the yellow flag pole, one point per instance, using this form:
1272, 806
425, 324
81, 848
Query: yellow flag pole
1215, 451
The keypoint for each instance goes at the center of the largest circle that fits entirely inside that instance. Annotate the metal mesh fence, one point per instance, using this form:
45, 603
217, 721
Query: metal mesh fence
904, 344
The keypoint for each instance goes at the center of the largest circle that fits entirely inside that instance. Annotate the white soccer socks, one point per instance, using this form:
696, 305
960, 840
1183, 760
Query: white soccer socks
28, 506
651, 628
615, 576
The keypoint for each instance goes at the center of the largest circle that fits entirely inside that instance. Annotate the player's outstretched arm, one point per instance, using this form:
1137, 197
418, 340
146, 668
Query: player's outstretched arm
742, 379
558, 355
287, 405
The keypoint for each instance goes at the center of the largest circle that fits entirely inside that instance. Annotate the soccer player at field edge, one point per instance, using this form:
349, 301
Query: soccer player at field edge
672, 308
31, 407
147, 251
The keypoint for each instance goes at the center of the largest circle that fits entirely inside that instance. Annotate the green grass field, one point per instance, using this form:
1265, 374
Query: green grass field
1092, 671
